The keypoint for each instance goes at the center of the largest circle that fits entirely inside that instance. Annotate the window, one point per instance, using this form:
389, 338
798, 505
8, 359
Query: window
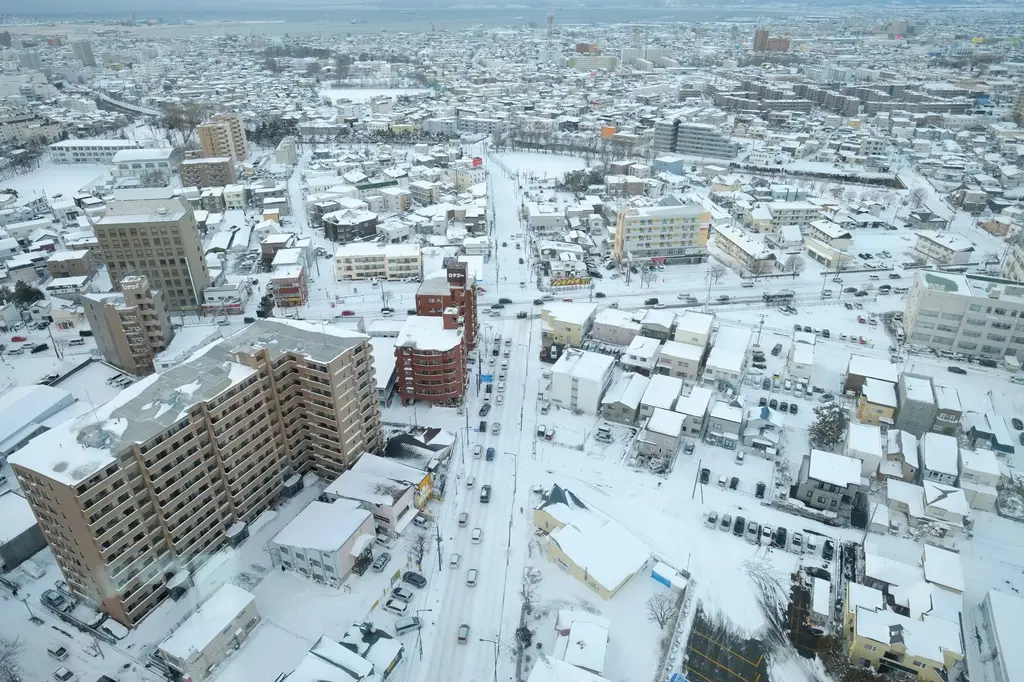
870, 647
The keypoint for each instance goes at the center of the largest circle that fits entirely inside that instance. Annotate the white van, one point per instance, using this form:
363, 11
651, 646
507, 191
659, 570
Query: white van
471, 481
478, 450
453, 562
471, 577
404, 625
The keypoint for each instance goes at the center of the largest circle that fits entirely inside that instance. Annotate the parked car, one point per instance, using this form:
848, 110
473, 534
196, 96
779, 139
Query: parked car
381, 561
828, 550
826, 398
956, 370
984, 362
402, 594
766, 384
53, 599
759, 490
753, 532
734, 483
766, 535
792, 408
62, 674
414, 579
739, 526
396, 606
712, 520
477, 536
39, 348
705, 475
776, 349
485, 408
773, 403
726, 522
797, 544
780, 538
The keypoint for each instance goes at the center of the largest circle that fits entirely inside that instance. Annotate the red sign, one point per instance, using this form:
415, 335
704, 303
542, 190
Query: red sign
477, 161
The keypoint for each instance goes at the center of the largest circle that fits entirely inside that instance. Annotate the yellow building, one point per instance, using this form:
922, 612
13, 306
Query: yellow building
588, 545
877, 402
926, 649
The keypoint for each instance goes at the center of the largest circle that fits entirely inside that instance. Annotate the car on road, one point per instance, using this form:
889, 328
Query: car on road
414, 579
894, 275
463, 633
396, 606
504, 301
471, 575
402, 593
478, 536
712, 520
776, 349
485, 494
53, 599
381, 561
490, 454
348, 313
39, 348
738, 526
956, 370
453, 562
62, 674
651, 301
849, 290
705, 475
485, 408
726, 523
739, 458
1017, 424
984, 362
496, 427
18, 339
463, 519
599, 294
723, 298
57, 651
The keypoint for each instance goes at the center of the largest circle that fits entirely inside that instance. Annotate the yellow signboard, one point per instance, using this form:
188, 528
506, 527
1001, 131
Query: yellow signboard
571, 282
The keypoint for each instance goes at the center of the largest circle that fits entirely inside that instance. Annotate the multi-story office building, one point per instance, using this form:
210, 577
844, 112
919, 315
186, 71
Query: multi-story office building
676, 233
147, 486
152, 167
378, 261
89, 151
82, 50
349, 225
455, 288
22, 127
130, 327
981, 316
158, 238
223, 135
693, 139
214, 171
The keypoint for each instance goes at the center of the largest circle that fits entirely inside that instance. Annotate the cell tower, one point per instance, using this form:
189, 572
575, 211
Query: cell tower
551, 23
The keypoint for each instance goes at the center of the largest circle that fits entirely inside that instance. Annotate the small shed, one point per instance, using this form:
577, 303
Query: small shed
671, 578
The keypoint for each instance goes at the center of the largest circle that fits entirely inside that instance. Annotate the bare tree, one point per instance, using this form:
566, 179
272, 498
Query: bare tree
10, 659
917, 196
183, 119
992, 257
716, 272
661, 607
795, 263
418, 548
528, 590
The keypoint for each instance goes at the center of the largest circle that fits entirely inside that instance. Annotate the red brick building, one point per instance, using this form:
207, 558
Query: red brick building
430, 359
454, 289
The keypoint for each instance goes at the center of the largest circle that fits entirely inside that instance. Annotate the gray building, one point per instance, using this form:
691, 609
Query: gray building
828, 481
695, 139
915, 397
20, 536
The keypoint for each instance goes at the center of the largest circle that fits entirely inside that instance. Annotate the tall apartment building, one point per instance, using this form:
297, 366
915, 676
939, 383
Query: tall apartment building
693, 139
430, 358
143, 489
455, 288
158, 238
980, 316
82, 51
130, 327
761, 40
223, 135
676, 233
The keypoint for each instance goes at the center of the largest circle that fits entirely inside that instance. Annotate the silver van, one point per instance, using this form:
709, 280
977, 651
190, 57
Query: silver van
404, 625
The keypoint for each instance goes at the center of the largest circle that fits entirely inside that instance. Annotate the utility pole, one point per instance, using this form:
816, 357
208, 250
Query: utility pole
437, 530
759, 326
495, 643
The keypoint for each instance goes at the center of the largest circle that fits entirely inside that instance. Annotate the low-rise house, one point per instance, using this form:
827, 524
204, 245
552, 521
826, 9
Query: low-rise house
725, 424
661, 392
208, 636
326, 541
926, 650
750, 253
901, 456
694, 407
694, 328
641, 355
940, 458
1003, 616
657, 324
924, 220
864, 443
862, 367
979, 476
590, 546
877, 402
828, 481
391, 503
944, 248
621, 404
727, 360
948, 411
680, 360
800, 362
762, 429
917, 409
988, 430
661, 435
582, 641
579, 379
615, 326
945, 504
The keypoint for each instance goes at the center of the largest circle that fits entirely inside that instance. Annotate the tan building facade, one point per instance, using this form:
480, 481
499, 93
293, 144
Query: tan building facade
223, 135
149, 484
130, 328
158, 238
216, 171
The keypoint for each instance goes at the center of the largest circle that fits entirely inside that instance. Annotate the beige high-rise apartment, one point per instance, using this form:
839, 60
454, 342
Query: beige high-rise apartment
143, 489
223, 135
158, 238
130, 327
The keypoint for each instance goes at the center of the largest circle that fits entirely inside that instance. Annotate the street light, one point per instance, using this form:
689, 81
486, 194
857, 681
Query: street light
495, 643
419, 633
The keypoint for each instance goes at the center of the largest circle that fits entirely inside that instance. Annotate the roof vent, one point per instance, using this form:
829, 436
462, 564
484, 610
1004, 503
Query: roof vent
161, 210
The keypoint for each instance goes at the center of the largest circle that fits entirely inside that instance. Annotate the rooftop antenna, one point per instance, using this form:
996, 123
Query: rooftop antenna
551, 22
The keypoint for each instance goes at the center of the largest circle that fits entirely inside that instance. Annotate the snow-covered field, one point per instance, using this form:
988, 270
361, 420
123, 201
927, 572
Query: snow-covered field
52, 179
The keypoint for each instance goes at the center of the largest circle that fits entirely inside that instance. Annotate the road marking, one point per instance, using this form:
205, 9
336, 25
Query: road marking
699, 634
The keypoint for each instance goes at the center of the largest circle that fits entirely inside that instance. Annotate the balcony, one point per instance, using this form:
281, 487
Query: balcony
114, 513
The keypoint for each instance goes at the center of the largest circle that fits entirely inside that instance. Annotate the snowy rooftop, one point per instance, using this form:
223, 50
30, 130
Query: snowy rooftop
584, 364
866, 439
628, 389
323, 526
642, 349
838, 470
1006, 613
662, 391
940, 453
365, 487
862, 595
356, 249
927, 638
202, 627
585, 645
696, 403
694, 322
16, 516
954, 242
909, 494
890, 571
547, 669
918, 388
945, 497
942, 567
682, 351
569, 313
68, 255
427, 333
874, 368
730, 349
904, 443
727, 412
947, 398
383, 360
980, 461
23, 405
659, 318
617, 318
388, 468
666, 422
319, 342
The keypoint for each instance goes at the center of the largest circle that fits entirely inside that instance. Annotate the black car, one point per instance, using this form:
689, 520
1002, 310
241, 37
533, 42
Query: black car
485, 494
490, 454
632, 268
734, 483
759, 491
599, 294
484, 409
792, 408
784, 406
815, 572
705, 475
861, 294
848, 305
497, 306
538, 301
776, 349
248, 320
651, 301
760, 365
489, 389
850, 290
414, 579
773, 403
956, 370
483, 426
894, 275
521, 316
39, 348
826, 333
739, 525
520, 261
1017, 424
766, 384
987, 362
828, 550
1021, 439
504, 300
596, 273
780, 537
762, 401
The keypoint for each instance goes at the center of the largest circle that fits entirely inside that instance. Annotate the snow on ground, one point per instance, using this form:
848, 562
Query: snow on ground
57, 178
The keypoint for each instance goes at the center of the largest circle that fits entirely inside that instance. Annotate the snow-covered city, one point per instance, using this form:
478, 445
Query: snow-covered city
425, 344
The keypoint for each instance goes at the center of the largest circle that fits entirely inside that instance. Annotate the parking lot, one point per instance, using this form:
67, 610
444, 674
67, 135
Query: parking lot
714, 654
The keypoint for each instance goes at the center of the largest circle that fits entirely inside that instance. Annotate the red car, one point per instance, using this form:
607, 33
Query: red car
348, 313
566, 300
18, 339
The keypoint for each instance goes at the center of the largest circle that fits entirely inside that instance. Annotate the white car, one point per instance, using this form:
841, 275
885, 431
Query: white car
454, 561
501, 387
396, 607
64, 675
478, 536
500, 400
